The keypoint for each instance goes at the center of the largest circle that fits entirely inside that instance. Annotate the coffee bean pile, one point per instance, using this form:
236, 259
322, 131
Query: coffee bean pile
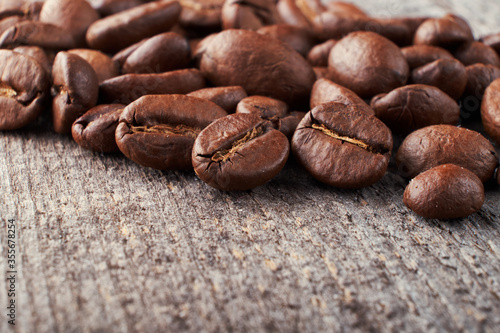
231, 88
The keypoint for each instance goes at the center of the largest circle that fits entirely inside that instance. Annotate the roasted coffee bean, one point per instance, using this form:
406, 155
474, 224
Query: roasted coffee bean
477, 52
102, 64
249, 14
327, 91
412, 23
298, 38
9, 22
110, 7
74, 16
492, 41
318, 55
95, 130
162, 53
419, 55
118, 31
127, 88
442, 144
446, 74
225, 97
447, 32
38, 54
44, 35
490, 111
288, 124
445, 192
415, 106
75, 90
342, 146
158, 131
239, 152
344, 7
273, 70
368, 64
201, 15
24, 86
479, 77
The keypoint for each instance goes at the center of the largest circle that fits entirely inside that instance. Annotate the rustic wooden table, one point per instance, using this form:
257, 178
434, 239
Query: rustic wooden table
104, 245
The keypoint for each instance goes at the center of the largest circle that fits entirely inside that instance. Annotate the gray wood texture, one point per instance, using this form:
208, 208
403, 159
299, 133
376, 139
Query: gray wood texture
105, 245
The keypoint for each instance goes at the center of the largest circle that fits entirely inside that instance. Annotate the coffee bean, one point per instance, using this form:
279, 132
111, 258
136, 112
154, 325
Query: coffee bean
445, 192
75, 90
442, 144
492, 41
158, 131
342, 146
225, 97
95, 130
161, 53
24, 86
318, 56
479, 77
419, 55
412, 24
447, 32
102, 64
74, 16
44, 35
477, 52
288, 124
117, 31
415, 106
201, 15
299, 13
38, 54
490, 111
446, 74
368, 64
322, 73
273, 70
9, 22
127, 88
249, 14
298, 38
327, 91
239, 152
110, 7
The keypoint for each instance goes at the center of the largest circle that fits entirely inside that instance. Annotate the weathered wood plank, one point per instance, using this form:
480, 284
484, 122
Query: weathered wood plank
105, 245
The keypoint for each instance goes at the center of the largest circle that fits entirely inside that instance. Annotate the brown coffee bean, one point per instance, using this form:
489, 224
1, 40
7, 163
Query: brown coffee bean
225, 97
158, 131
24, 86
419, 55
368, 64
288, 124
442, 144
445, 192
110, 7
249, 14
75, 90
492, 41
415, 106
102, 64
44, 35
318, 55
298, 38
447, 32
344, 7
477, 52
95, 130
479, 77
446, 74
273, 70
115, 32
412, 24
38, 54
239, 152
162, 53
327, 91
342, 146
490, 111
201, 15
290, 13
73, 16
127, 88
9, 22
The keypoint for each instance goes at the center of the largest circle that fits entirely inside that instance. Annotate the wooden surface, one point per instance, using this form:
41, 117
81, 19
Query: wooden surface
104, 245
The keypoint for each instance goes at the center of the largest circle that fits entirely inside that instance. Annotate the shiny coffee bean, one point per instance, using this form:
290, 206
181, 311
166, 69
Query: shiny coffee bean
158, 131
318, 55
490, 111
24, 86
479, 77
447, 32
102, 64
118, 31
477, 53
419, 55
75, 90
225, 97
368, 64
445, 192
9, 22
327, 91
298, 38
299, 13
249, 14
127, 88
44, 35
342, 146
201, 15
415, 106
239, 152
38, 54
442, 144
446, 74
95, 130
